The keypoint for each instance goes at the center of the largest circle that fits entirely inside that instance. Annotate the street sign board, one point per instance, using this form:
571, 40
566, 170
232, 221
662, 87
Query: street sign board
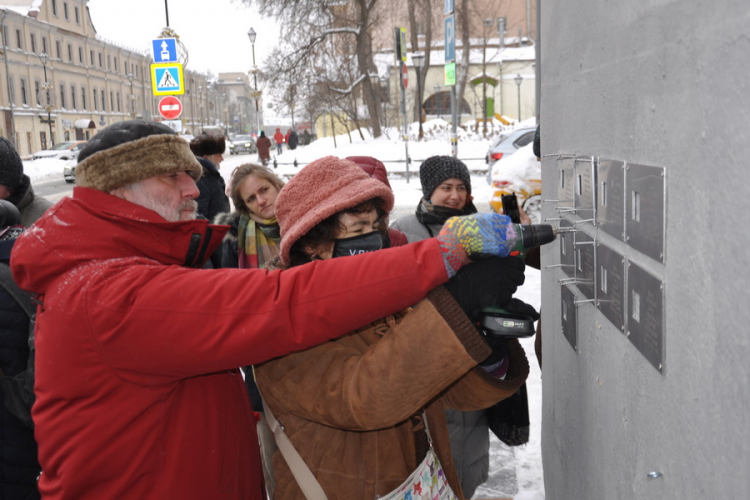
450, 38
450, 74
175, 125
164, 50
405, 75
167, 79
170, 107
401, 43
449, 6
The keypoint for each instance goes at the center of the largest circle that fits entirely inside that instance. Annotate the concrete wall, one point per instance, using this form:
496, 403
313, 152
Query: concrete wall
663, 83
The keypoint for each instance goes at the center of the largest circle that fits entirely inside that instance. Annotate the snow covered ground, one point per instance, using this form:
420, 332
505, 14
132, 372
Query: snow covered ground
514, 472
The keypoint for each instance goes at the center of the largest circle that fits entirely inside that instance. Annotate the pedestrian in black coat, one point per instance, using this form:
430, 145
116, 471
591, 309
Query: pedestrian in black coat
293, 139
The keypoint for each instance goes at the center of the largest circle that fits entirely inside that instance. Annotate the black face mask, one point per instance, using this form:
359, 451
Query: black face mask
357, 244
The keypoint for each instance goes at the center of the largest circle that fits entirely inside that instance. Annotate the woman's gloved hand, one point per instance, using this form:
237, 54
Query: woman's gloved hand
487, 282
464, 237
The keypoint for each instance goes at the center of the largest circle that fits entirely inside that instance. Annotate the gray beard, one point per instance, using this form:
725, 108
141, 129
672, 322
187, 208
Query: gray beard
161, 206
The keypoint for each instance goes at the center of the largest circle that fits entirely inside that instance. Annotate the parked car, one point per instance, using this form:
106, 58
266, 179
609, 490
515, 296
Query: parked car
506, 144
61, 151
69, 170
519, 173
242, 144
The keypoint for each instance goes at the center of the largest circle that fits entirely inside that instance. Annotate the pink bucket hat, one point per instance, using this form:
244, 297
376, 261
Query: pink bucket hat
323, 188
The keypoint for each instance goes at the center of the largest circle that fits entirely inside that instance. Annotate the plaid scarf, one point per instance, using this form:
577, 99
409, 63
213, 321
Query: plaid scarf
258, 241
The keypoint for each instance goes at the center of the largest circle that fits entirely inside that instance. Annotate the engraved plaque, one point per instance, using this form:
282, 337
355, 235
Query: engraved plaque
567, 256
585, 262
610, 281
566, 184
645, 209
569, 319
610, 197
585, 187
645, 322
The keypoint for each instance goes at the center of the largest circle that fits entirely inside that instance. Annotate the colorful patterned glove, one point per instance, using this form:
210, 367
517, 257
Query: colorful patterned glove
471, 235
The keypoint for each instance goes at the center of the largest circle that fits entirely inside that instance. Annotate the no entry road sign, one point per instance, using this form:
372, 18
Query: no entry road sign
170, 107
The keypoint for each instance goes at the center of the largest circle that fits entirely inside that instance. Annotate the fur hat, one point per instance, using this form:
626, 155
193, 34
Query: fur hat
11, 166
132, 151
437, 169
372, 166
321, 189
205, 145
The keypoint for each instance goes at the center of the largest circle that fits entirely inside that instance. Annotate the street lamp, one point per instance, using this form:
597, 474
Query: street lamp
418, 59
200, 103
130, 77
251, 35
519, 80
43, 57
434, 100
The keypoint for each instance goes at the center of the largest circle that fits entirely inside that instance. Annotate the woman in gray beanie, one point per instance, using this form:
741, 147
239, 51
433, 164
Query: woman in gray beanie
15, 186
446, 192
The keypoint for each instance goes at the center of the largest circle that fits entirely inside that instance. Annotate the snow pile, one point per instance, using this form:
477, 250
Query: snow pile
518, 169
43, 167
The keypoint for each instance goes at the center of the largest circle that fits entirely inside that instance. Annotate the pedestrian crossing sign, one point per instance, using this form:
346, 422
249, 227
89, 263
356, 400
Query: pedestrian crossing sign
167, 79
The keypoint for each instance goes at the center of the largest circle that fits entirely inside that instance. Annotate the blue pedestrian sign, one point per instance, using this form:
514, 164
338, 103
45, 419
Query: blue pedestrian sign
165, 50
450, 39
167, 79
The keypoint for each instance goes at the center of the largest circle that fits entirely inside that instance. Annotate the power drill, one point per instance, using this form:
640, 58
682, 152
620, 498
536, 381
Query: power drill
497, 321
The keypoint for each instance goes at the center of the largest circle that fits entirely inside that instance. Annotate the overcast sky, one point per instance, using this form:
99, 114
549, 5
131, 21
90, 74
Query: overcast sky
214, 31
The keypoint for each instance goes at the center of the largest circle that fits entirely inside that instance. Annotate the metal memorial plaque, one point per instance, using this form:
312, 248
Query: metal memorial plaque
585, 262
567, 255
645, 209
610, 197
566, 184
610, 293
569, 318
645, 322
585, 187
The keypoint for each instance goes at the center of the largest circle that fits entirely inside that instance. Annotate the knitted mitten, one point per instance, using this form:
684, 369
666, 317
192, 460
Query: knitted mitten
471, 235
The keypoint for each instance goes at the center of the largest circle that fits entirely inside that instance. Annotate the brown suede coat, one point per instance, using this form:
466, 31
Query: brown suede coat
346, 404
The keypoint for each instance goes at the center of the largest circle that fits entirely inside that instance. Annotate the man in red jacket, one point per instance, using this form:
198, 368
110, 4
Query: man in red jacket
138, 394
278, 138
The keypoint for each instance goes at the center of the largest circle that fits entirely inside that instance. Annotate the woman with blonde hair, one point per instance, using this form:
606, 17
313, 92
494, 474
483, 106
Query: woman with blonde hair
254, 237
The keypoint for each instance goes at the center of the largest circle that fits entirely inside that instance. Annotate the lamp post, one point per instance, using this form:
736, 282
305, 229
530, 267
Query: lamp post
418, 59
43, 57
519, 80
130, 77
251, 35
434, 100
200, 104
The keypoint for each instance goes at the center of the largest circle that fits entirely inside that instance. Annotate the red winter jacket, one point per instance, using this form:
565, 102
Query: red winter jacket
278, 137
138, 395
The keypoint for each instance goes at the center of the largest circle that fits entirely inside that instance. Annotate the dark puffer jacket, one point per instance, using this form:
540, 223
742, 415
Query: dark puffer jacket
212, 200
19, 466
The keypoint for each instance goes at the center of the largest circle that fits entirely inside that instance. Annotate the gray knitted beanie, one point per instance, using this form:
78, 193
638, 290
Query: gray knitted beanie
437, 169
11, 167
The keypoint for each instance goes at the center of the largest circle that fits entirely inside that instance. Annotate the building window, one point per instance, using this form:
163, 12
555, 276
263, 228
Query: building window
78, 16
101, 63
125, 67
109, 62
33, 43
37, 88
83, 97
70, 53
73, 97
96, 102
54, 8
62, 96
116, 69
12, 90
80, 55
65, 11
118, 102
19, 40
104, 102
111, 100
24, 96
58, 49
91, 55
44, 45
136, 71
